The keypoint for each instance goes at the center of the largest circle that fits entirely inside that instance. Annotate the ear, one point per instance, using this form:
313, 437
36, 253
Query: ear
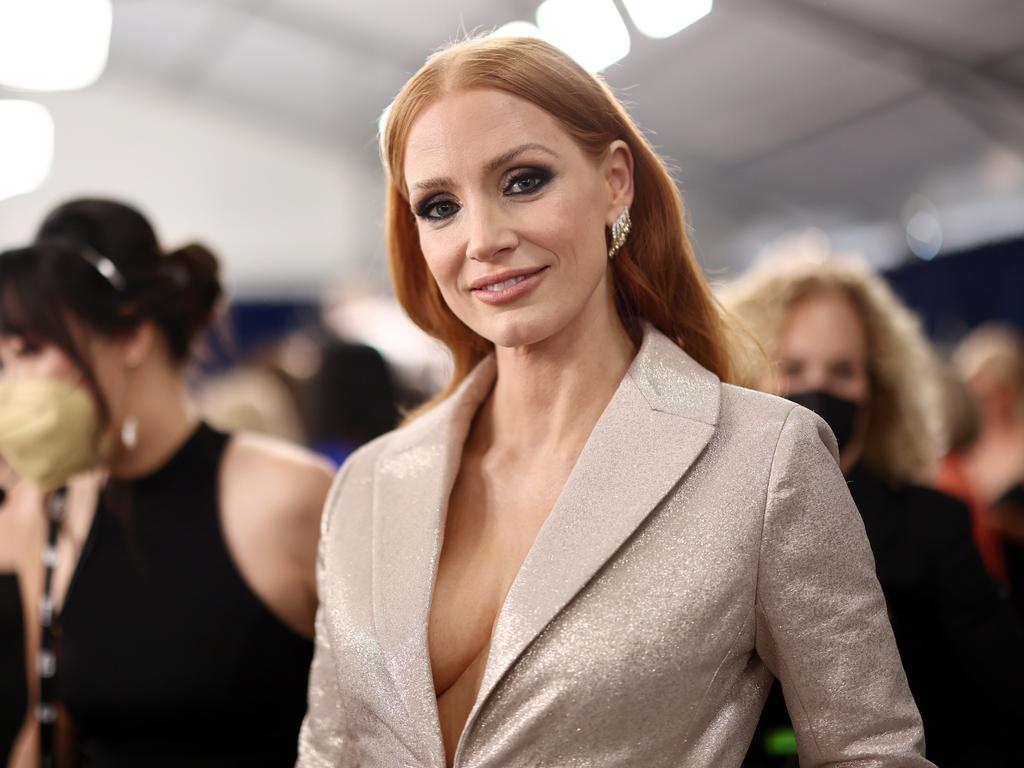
139, 345
617, 169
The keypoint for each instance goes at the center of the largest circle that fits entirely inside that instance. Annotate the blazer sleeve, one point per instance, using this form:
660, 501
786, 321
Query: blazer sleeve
822, 626
321, 742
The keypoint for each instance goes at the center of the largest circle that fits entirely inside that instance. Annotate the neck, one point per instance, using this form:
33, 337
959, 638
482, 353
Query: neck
548, 396
165, 417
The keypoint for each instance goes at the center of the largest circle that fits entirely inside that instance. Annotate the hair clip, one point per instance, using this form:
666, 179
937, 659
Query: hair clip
105, 267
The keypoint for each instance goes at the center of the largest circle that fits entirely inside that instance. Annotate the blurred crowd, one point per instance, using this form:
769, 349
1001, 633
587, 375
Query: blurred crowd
931, 443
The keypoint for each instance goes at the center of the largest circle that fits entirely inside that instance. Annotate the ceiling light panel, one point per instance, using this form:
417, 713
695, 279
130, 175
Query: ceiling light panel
53, 45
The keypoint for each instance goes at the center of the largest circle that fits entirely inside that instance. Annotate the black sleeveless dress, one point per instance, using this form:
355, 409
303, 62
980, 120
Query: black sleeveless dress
13, 680
167, 656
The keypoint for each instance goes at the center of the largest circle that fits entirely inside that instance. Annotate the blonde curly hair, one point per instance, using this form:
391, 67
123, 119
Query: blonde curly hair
994, 350
904, 414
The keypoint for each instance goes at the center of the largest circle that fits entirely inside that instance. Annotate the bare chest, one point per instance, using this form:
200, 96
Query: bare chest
491, 524
493, 519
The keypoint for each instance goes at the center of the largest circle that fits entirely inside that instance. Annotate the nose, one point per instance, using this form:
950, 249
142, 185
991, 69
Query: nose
489, 232
817, 377
806, 378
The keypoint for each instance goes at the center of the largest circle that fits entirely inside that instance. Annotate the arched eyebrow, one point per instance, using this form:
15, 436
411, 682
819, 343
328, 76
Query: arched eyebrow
441, 182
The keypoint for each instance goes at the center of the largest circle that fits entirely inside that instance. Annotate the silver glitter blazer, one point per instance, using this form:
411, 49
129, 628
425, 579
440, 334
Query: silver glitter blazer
704, 542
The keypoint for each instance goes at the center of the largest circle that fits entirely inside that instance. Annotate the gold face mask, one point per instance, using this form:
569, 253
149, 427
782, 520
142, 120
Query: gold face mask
49, 430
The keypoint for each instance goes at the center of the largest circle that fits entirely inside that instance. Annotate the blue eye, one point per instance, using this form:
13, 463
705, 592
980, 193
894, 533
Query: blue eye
528, 181
437, 209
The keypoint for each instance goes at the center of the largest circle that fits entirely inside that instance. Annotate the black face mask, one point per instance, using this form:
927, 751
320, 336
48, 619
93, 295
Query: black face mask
839, 414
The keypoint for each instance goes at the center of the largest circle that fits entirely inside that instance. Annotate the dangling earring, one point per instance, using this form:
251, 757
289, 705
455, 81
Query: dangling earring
620, 231
130, 432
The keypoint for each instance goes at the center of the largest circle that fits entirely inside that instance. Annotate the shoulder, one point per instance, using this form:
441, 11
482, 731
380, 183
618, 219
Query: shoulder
364, 459
402, 445
774, 421
355, 479
406, 456
281, 476
740, 402
273, 454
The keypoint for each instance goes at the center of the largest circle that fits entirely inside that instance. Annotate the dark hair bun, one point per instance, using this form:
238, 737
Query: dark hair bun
191, 278
178, 291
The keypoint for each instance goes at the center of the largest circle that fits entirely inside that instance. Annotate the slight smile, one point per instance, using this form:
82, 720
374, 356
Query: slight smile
504, 287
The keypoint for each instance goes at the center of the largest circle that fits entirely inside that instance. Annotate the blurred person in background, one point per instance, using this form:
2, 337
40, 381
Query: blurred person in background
986, 471
251, 398
178, 597
961, 420
581, 552
839, 342
354, 398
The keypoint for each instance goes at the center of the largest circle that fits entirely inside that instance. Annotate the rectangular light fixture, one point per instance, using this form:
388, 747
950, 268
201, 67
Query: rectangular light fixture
591, 31
663, 18
26, 146
53, 45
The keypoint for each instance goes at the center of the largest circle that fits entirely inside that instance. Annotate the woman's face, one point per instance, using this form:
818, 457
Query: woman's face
823, 345
512, 215
22, 359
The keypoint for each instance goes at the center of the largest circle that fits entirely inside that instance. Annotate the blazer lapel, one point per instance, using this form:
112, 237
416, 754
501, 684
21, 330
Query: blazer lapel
412, 482
657, 423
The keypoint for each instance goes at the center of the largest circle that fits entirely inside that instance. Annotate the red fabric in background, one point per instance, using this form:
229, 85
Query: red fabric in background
951, 479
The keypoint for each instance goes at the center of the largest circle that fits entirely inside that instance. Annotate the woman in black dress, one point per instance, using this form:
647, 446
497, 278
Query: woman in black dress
177, 619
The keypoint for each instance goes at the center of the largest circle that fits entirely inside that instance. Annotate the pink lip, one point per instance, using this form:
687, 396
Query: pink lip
513, 292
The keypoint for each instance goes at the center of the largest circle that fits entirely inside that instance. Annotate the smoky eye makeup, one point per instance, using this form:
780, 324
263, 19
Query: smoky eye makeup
519, 182
527, 180
436, 208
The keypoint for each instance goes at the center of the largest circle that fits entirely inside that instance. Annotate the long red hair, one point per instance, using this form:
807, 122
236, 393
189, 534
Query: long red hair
657, 277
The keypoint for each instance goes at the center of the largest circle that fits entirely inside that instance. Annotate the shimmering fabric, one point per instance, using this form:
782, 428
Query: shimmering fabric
704, 541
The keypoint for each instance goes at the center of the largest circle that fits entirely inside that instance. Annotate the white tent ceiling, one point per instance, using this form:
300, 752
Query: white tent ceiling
777, 114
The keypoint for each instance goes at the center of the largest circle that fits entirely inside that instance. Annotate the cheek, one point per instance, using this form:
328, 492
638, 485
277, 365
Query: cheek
64, 369
862, 389
855, 388
443, 263
111, 373
571, 227
51, 363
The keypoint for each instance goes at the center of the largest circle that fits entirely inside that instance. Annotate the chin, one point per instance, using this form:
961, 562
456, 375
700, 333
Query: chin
517, 328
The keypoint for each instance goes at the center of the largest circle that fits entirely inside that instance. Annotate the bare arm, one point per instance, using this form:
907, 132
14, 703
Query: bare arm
272, 495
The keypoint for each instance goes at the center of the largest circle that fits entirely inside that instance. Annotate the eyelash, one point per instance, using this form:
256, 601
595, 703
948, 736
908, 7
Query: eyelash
542, 175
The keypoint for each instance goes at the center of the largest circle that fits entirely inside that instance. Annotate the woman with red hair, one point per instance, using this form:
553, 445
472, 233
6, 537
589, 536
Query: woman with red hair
589, 549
